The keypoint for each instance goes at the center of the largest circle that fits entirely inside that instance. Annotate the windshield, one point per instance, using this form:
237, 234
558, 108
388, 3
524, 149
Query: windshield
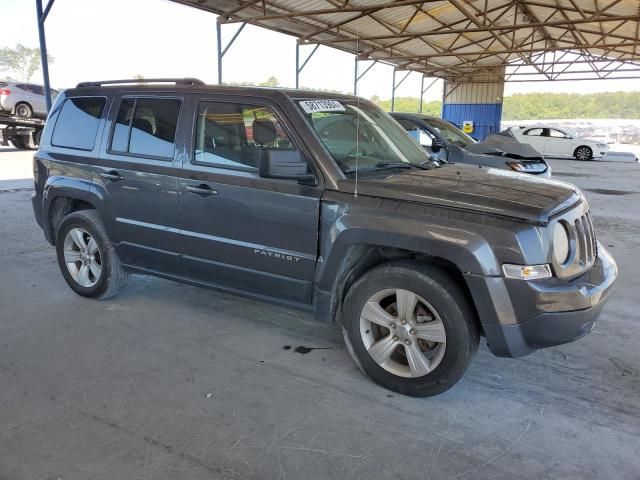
450, 133
361, 137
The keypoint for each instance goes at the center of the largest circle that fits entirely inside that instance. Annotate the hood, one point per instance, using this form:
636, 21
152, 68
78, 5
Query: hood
486, 190
498, 144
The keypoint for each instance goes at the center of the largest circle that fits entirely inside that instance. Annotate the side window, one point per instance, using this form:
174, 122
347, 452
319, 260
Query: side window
232, 135
422, 137
37, 89
146, 126
22, 86
533, 132
556, 133
78, 122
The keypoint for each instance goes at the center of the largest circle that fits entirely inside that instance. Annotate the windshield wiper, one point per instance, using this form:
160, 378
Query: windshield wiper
386, 166
431, 163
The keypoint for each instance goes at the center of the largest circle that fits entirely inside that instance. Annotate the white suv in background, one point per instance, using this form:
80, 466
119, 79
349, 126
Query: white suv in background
24, 99
557, 142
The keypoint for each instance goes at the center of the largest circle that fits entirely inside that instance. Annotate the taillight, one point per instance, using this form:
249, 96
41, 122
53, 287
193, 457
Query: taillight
5, 91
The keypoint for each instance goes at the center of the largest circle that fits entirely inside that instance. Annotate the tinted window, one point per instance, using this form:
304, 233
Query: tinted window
37, 89
146, 126
232, 134
534, 132
120, 140
422, 137
22, 86
77, 123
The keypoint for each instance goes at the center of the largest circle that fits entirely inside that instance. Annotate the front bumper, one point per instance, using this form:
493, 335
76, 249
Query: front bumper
544, 313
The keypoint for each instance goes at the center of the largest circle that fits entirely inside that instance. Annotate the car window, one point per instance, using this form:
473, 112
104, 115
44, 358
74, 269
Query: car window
232, 135
451, 133
37, 89
556, 133
534, 132
22, 86
146, 127
78, 122
423, 138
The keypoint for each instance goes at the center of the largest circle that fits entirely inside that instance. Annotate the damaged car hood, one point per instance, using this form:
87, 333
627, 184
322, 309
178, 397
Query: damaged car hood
486, 190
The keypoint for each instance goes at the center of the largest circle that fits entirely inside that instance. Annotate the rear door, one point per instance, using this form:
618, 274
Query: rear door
238, 230
535, 137
136, 175
37, 99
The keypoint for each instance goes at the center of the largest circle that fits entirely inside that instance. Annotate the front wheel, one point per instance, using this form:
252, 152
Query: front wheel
86, 256
409, 327
583, 153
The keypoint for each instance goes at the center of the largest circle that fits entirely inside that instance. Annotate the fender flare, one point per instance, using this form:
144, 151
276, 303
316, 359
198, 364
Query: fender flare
72, 188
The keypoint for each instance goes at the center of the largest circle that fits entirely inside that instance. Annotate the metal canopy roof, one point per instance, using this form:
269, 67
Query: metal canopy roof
461, 40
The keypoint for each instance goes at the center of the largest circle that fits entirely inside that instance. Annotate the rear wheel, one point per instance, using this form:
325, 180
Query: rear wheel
24, 110
583, 153
86, 256
410, 328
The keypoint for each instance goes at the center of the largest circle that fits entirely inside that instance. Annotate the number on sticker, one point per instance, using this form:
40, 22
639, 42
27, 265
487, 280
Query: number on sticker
313, 106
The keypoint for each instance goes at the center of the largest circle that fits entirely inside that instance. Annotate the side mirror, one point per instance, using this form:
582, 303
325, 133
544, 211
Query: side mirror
285, 165
437, 145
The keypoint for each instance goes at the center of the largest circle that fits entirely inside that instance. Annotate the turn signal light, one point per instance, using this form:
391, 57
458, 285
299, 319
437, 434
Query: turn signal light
526, 272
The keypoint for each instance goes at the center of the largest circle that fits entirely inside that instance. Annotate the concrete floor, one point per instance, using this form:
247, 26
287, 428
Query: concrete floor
168, 381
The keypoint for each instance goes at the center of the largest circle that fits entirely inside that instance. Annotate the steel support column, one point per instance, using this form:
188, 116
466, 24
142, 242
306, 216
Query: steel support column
357, 77
423, 90
222, 51
44, 59
299, 67
395, 87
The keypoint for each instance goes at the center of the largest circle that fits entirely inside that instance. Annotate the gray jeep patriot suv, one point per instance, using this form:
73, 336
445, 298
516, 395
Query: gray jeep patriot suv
322, 202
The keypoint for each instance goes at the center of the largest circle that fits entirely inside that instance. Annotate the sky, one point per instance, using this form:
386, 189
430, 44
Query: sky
107, 39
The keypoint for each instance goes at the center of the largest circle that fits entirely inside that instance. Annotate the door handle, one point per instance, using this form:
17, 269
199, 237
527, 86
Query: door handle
113, 176
202, 189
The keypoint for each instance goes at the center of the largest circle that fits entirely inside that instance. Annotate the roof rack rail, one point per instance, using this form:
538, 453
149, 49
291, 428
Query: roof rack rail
177, 81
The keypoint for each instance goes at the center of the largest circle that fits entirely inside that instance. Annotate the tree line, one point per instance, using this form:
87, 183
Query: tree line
534, 106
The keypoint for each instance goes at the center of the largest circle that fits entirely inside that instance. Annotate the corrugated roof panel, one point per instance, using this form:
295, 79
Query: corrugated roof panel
407, 33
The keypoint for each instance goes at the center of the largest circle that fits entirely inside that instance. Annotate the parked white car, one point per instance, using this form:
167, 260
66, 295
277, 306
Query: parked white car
558, 142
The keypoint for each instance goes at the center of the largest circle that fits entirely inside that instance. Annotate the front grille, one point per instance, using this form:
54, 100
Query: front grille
583, 244
586, 240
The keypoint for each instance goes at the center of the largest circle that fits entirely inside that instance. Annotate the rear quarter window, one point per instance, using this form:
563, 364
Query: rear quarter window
77, 123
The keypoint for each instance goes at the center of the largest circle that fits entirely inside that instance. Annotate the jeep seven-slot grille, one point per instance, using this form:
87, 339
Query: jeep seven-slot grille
584, 248
586, 240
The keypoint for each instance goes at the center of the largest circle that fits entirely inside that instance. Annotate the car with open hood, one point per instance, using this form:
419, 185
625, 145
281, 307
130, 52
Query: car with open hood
447, 142
320, 202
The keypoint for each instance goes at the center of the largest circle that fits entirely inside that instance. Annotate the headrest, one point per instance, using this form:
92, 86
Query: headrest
264, 131
143, 124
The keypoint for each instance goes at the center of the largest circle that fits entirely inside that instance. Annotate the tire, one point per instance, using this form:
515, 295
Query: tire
441, 309
111, 277
19, 143
23, 110
583, 153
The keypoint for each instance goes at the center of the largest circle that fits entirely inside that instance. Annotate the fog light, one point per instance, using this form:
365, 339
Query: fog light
526, 272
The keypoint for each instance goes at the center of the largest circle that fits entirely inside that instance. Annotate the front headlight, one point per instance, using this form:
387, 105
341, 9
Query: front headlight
560, 244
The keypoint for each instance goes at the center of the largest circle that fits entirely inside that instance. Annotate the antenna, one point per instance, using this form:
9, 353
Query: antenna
355, 190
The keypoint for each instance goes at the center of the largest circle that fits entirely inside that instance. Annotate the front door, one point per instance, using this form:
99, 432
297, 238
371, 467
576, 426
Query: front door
238, 230
136, 175
557, 144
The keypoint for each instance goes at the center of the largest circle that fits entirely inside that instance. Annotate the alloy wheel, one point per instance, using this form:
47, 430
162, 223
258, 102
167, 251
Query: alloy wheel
583, 153
82, 257
402, 333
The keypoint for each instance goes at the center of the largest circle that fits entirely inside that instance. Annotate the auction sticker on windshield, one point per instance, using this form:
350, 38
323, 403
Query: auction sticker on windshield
313, 106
